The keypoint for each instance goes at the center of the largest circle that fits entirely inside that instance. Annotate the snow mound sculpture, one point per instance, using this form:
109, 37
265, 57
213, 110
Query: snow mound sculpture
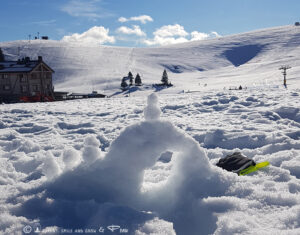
152, 110
117, 180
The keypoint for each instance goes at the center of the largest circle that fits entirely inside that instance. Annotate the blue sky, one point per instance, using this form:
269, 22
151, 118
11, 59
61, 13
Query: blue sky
140, 23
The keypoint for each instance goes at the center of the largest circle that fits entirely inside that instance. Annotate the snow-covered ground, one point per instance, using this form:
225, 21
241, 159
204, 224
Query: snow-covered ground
145, 162
98, 162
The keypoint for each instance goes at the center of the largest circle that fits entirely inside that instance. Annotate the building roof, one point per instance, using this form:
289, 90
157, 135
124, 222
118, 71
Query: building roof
21, 66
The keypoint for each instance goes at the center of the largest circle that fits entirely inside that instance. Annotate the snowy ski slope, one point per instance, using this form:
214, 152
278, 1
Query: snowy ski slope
248, 59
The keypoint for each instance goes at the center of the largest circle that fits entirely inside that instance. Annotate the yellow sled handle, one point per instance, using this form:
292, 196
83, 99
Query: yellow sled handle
254, 168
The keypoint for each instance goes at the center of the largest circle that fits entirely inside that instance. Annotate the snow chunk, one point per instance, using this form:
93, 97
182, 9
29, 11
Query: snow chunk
2, 125
156, 226
293, 167
91, 141
71, 158
213, 138
10, 223
91, 151
29, 146
50, 167
152, 111
291, 113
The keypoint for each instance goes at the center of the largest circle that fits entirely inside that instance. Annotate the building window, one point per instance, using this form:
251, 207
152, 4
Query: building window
6, 87
23, 89
48, 75
33, 75
35, 87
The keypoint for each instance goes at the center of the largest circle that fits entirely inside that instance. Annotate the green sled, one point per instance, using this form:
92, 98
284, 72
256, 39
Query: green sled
254, 168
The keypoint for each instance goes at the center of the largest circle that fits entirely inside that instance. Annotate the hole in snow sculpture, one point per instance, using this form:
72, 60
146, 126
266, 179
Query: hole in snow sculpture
140, 146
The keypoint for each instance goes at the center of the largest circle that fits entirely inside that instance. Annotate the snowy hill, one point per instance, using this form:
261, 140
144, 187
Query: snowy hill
248, 59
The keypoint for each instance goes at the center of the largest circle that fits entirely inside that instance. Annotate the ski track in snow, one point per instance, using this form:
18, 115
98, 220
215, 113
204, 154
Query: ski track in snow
52, 154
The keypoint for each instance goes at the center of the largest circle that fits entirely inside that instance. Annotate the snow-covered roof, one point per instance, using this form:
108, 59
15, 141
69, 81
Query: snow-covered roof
20, 66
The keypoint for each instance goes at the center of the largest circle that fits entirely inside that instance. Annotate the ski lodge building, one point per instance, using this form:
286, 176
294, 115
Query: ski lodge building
26, 80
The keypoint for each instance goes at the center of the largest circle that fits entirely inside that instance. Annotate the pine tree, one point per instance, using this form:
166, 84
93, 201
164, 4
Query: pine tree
164, 78
124, 84
138, 80
130, 76
2, 59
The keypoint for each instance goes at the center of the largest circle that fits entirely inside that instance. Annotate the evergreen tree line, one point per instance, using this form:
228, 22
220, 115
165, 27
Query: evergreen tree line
138, 80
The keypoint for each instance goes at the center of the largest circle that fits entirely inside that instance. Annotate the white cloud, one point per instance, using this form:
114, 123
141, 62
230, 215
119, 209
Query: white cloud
85, 8
122, 19
195, 35
168, 34
215, 34
198, 36
136, 30
157, 40
143, 19
96, 34
171, 31
172, 34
